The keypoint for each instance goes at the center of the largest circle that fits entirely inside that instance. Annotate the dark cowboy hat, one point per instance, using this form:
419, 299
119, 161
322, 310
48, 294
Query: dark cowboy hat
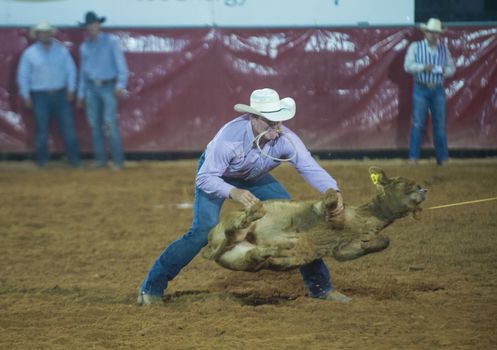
91, 17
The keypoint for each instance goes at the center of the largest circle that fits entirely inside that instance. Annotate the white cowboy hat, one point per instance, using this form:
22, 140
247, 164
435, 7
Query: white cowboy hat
41, 27
266, 103
433, 25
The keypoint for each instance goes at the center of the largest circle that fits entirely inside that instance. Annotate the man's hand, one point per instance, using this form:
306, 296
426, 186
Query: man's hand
428, 67
243, 196
70, 96
438, 70
28, 103
121, 93
339, 208
79, 103
336, 217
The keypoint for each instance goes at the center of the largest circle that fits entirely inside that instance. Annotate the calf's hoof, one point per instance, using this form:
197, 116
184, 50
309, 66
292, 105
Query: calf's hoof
255, 212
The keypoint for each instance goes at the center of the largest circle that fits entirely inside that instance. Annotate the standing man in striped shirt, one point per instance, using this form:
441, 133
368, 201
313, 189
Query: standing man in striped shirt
47, 83
430, 62
103, 78
236, 166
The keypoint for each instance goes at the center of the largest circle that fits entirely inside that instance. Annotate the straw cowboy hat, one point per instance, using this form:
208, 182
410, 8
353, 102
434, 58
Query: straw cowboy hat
433, 25
266, 103
91, 17
43, 26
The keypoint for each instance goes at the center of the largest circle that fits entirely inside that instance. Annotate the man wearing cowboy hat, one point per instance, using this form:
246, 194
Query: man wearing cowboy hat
430, 62
103, 78
46, 77
236, 165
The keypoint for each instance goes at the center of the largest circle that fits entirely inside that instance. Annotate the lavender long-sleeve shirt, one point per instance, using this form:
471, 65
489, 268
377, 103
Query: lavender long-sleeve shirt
232, 153
42, 68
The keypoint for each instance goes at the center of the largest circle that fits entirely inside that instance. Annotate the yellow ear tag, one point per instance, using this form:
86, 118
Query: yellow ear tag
374, 178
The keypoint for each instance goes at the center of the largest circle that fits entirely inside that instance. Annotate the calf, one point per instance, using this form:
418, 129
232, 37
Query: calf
285, 234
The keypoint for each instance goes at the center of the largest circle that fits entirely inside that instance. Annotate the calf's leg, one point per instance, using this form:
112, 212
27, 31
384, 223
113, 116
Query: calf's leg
232, 225
245, 256
243, 220
356, 248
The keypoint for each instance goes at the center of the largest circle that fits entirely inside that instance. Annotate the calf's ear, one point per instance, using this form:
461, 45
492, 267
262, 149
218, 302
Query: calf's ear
377, 175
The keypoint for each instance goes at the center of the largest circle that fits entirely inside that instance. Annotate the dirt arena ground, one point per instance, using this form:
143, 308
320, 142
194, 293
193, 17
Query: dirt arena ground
75, 245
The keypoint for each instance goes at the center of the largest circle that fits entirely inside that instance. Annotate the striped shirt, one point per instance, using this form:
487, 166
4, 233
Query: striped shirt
420, 54
232, 153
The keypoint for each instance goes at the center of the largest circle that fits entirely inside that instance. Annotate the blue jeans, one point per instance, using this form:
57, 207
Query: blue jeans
433, 99
45, 105
101, 109
206, 210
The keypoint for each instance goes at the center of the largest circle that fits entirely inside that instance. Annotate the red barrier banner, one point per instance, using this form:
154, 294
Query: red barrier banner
349, 84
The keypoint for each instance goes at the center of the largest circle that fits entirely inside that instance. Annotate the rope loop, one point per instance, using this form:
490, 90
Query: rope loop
258, 139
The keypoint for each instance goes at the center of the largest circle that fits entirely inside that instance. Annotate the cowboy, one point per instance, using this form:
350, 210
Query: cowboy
236, 165
103, 78
430, 62
46, 77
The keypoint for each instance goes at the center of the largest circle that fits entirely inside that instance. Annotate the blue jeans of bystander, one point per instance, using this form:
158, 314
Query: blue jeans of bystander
206, 210
45, 105
424, 99
101, 109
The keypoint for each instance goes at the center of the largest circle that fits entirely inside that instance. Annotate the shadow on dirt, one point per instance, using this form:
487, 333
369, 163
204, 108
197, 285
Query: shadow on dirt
248, 299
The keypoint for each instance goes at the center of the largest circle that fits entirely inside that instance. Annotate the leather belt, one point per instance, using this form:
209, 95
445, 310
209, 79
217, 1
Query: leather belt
49, 91
429, 85
100, 82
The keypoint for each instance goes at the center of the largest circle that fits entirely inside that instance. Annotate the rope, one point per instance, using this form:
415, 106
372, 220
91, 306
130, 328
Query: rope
258, 139
463, 203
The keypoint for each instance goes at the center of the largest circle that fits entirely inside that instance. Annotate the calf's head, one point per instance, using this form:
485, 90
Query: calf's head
398, 196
